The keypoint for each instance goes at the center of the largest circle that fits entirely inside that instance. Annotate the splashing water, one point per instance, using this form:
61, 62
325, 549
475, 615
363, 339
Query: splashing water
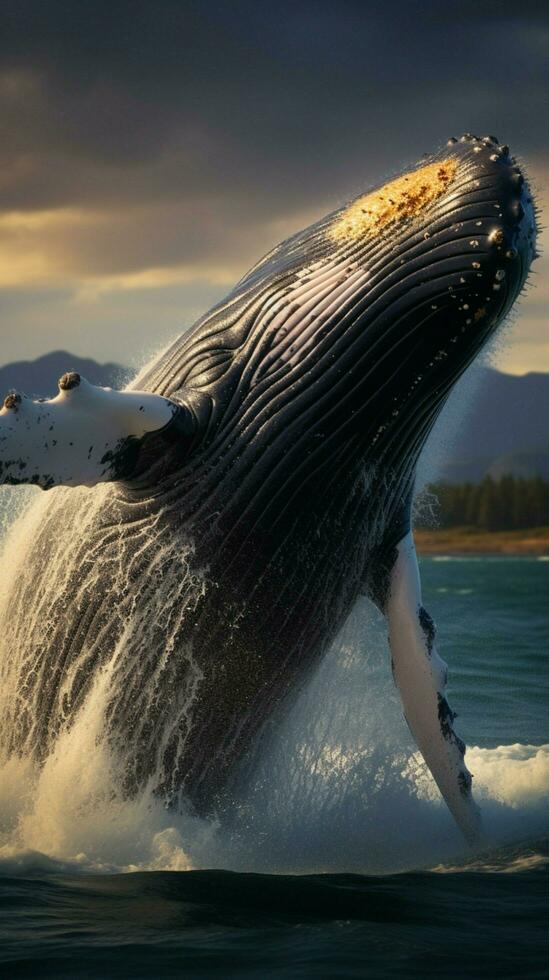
339, 787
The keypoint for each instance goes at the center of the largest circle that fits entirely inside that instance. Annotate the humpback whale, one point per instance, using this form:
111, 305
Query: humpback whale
255, 480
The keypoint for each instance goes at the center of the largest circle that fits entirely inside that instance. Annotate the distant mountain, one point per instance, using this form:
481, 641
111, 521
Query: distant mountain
503, 427
40, 377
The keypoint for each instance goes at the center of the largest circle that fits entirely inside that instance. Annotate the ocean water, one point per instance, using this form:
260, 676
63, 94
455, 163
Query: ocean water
341, 861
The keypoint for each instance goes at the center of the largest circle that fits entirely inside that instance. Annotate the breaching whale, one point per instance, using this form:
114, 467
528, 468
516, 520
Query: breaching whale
259, 478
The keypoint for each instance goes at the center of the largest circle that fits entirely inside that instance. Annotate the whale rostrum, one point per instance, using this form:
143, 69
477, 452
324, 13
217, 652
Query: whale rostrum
259, 478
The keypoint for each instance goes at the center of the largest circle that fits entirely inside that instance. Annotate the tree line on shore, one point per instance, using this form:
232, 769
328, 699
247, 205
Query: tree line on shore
495, 505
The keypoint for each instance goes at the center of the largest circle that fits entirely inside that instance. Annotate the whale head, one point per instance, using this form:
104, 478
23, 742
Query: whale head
352, 331
388, 298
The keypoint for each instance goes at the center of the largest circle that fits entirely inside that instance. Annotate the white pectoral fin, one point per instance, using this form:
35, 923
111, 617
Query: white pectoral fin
420, 676
85, 435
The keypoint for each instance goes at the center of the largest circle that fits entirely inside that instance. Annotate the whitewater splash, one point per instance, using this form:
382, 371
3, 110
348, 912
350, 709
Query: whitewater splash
340, 787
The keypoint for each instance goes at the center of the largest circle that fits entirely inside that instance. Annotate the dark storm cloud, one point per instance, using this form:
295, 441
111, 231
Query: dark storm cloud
193, 136
118, 101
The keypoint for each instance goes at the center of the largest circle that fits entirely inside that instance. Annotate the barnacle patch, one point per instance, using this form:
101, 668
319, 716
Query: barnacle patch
446, 717
399, 200
428, 627
464, 782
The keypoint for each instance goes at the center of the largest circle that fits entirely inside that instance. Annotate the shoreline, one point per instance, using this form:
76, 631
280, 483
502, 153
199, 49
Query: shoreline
473, 541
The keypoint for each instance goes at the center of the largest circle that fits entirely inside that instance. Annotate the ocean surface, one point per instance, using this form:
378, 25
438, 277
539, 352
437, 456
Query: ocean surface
341, 862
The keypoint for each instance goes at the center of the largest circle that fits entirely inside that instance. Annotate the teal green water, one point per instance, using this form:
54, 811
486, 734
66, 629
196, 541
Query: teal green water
493, 616
485, 914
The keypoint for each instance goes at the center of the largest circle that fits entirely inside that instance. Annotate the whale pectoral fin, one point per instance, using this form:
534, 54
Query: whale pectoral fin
420, 676
85, 435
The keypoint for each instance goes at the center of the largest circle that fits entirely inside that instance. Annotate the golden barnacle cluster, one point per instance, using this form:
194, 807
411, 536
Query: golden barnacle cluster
398, 200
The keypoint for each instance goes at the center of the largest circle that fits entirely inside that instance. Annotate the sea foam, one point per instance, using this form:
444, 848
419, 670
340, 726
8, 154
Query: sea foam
341, 788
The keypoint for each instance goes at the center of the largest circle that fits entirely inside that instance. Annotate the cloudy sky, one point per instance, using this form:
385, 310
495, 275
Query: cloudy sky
152, 150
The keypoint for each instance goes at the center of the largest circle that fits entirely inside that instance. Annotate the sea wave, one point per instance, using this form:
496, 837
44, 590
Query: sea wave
341, 788
484, 559
62, 826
